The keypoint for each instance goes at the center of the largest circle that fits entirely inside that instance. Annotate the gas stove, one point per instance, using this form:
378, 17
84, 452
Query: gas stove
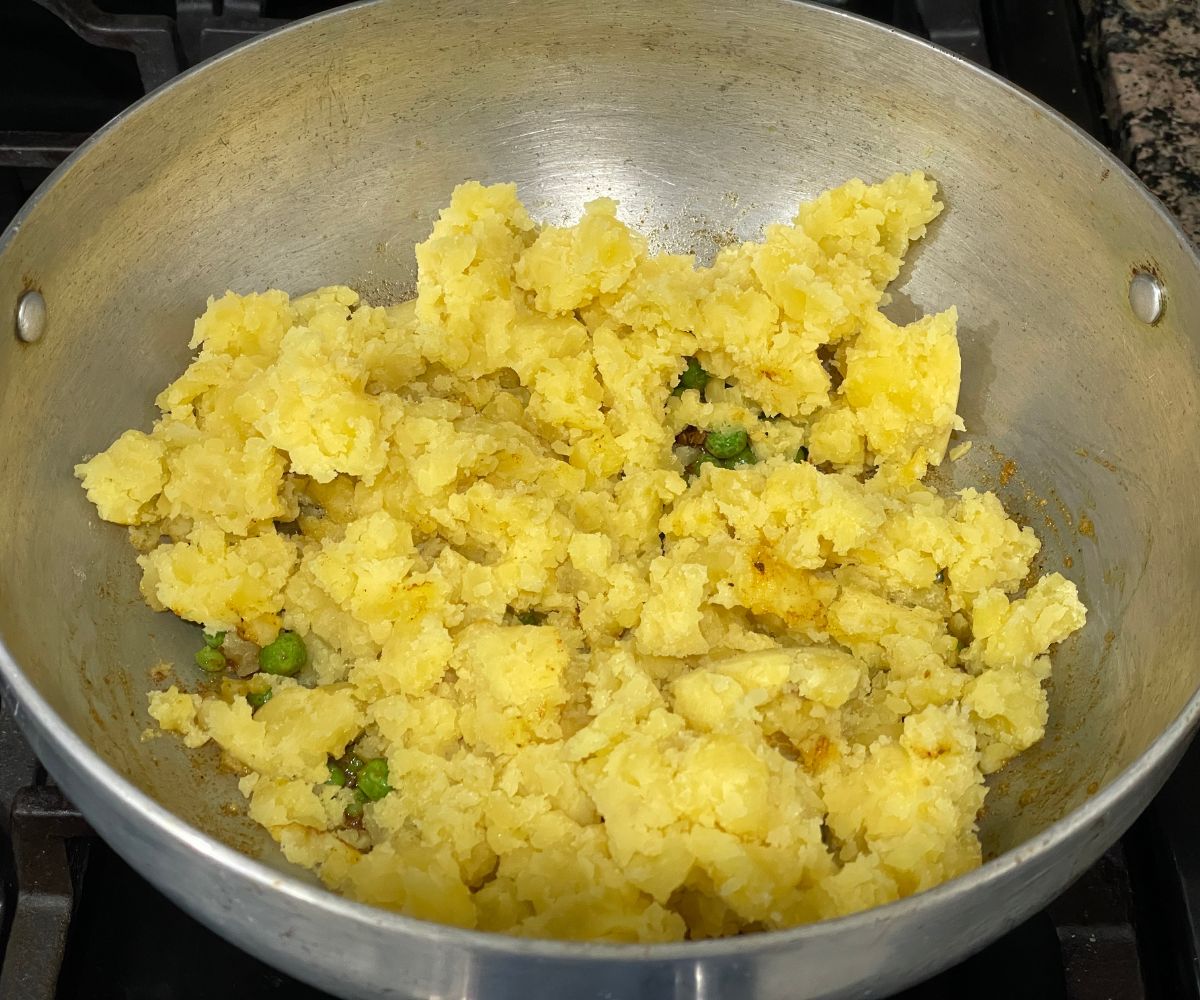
76, 923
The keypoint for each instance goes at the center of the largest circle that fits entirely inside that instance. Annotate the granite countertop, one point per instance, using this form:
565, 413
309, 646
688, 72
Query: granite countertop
1147, 53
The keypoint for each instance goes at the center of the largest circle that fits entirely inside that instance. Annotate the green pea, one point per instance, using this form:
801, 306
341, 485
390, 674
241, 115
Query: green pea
802, 454
259, 698
373, 779
746, 457
726, 442
212, 660
285, 656
214, 641
532, 617
337, 774
703, 460
694, 376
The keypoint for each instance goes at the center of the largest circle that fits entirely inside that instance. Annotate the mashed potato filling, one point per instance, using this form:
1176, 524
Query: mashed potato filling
622, 693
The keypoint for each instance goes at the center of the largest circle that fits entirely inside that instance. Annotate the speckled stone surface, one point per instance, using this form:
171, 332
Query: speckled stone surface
1147, 53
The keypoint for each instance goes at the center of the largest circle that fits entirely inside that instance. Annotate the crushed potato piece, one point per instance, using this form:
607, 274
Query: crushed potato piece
623, 691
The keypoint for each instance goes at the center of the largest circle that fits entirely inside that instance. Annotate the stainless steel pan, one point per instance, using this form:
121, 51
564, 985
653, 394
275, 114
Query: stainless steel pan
321, 153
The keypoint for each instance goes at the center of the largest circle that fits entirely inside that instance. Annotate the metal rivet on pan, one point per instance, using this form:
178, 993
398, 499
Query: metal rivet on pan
31, 317
1146, 297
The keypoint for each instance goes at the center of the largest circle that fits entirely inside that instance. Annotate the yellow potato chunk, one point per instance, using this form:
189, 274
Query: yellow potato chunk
175, 712
291, 736
218, 581
123, 480
510, 681
566, 269
902, 382
316, 410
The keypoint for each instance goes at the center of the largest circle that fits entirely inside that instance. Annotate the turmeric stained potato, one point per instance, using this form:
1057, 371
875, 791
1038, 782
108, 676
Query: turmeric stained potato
620, 570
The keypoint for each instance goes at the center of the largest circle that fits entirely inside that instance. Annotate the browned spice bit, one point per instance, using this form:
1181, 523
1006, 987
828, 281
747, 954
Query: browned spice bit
783, 746
827, 355
1007, 471
1110, 637
231, 764
1086, 527
933, 753
241, 654
1068, 562
692, 437
1093, 788
815, 752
